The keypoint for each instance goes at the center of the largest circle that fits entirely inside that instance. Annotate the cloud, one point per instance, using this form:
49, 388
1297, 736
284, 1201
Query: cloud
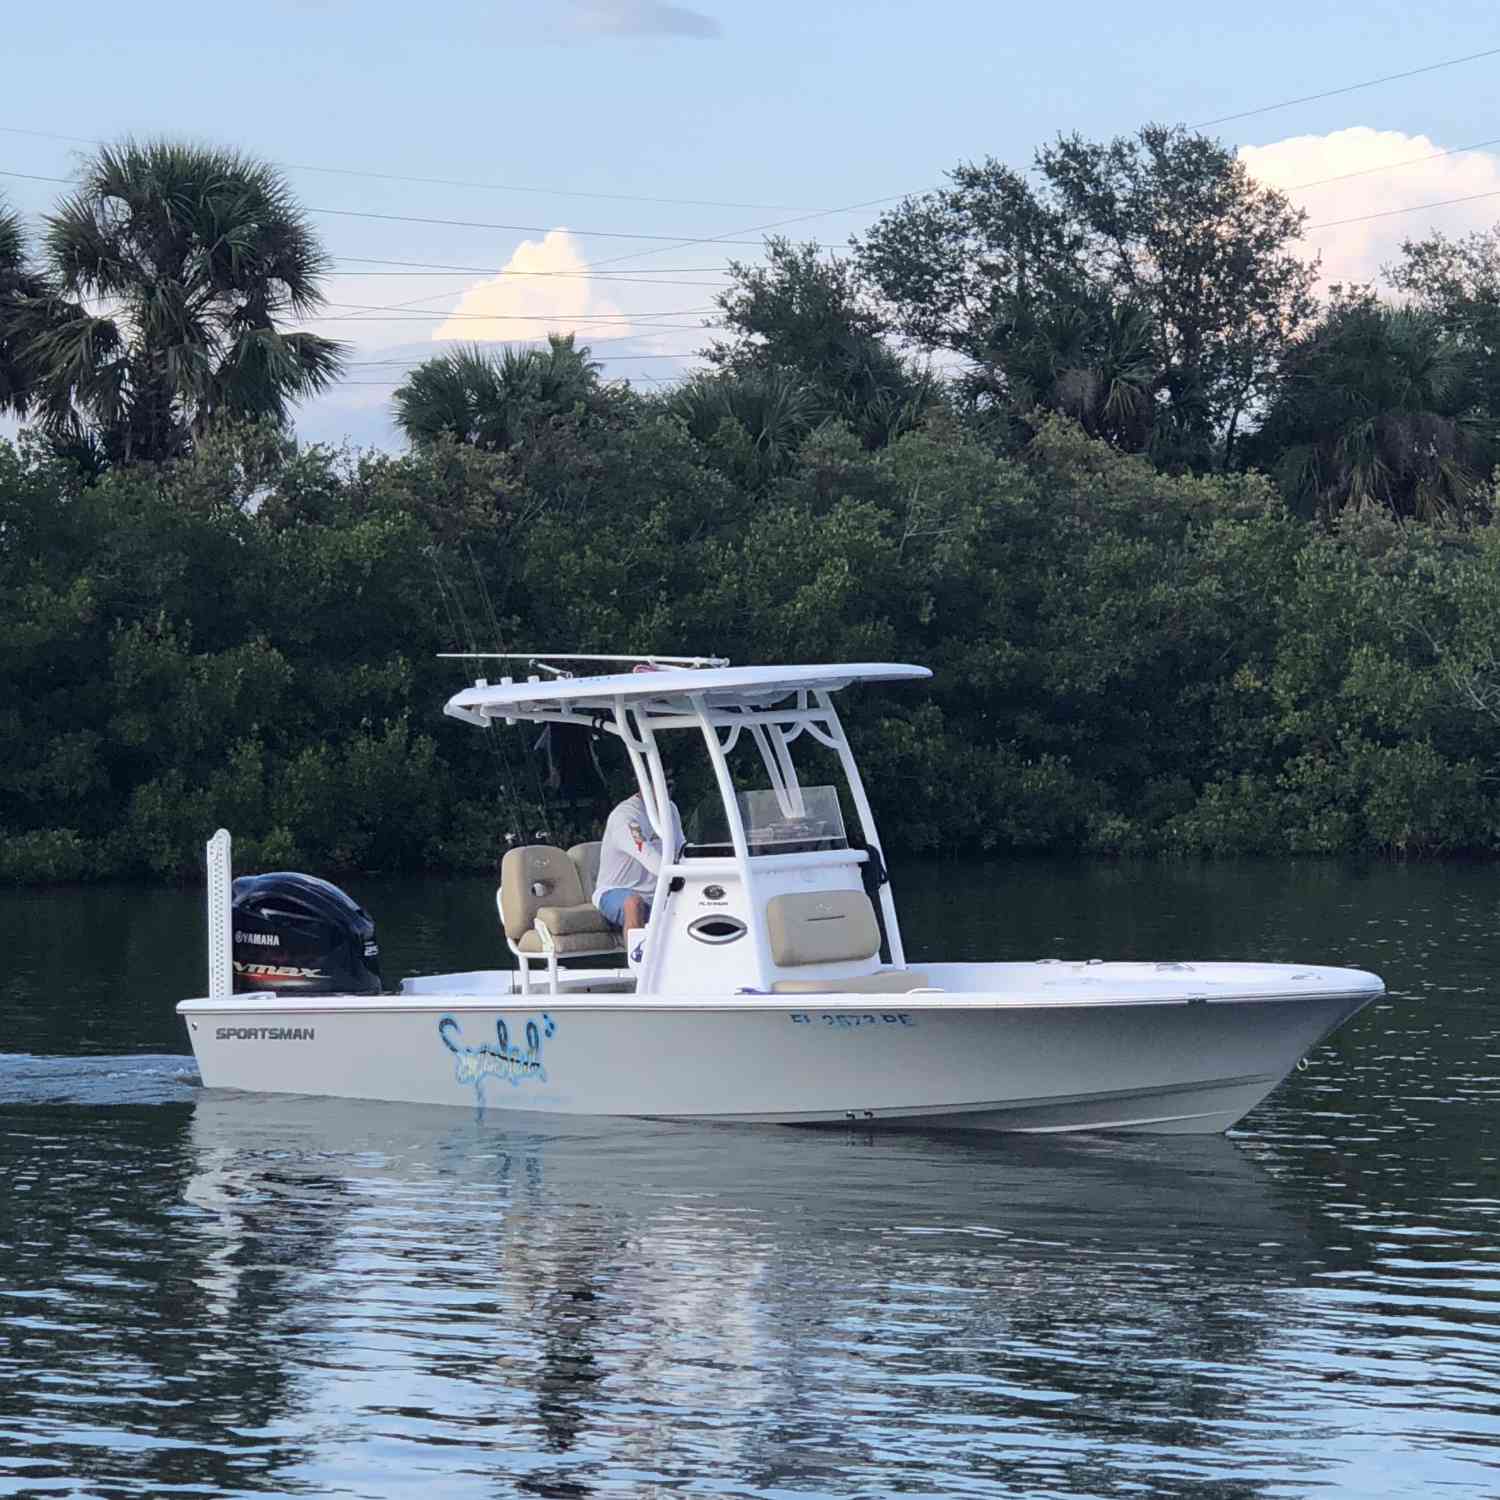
543, 288
644, 18
1358, 159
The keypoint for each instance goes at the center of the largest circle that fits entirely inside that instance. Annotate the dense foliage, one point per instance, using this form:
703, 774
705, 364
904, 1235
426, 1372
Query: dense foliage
1126, 661
1201, 567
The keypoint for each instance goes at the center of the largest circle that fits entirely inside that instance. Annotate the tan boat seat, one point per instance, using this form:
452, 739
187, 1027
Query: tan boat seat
886, 982
542, 885
585, 859
575, 944
821, 927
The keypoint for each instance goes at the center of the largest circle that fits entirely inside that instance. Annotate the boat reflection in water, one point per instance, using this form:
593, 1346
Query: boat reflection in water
604, 1306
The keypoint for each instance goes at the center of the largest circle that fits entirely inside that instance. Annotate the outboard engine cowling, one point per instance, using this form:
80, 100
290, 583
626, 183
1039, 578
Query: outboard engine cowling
300, 935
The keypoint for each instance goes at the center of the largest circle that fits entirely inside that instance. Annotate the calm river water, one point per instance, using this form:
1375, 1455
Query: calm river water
233, 1296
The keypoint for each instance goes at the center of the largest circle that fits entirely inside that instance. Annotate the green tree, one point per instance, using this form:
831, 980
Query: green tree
1165, 230
1093, 363
172, 270
1377, 409
498, 401
21, 290
810, 316
1458, 282
752, 420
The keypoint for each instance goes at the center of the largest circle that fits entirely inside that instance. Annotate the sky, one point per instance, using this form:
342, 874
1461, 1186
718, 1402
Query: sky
619, 152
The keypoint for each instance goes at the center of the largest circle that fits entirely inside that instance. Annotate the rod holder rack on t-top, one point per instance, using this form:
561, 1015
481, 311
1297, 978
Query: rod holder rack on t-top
545, 659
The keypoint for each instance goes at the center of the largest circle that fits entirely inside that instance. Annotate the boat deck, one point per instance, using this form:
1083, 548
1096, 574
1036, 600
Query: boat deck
950, 986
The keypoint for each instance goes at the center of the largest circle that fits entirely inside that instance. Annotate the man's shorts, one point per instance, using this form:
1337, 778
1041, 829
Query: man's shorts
612, 904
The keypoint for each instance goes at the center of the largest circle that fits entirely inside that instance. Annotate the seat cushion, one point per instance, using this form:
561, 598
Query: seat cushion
531, 877
585, 858
885, 982
574, 943
821, 927
562, 920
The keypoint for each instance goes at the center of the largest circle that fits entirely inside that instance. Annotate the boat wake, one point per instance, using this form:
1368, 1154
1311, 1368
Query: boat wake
159, 1079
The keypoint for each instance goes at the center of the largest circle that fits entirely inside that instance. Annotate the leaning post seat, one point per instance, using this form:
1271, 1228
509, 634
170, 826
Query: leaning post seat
807, 928
546, 913
585, 858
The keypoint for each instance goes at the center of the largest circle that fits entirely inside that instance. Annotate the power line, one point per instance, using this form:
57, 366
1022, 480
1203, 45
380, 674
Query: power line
544, 229
404, 364
1410, 161
504, 271
753, 229
487, 187
427, 319
712, 286
500, 187
1350, 88
724, 239
36, 177
1391, 212
685, 312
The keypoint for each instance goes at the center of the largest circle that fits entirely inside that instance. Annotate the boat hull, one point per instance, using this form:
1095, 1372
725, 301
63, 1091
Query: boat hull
998, 1061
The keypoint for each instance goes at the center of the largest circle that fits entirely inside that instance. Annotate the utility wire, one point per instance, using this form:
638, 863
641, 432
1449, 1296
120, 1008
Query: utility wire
753, 229
543, 229
437, 265
486, 187
1391, 212
427, 319
1369, 83
593, 343
412, 364
724, 239
682, 312
1411, 161
712, 286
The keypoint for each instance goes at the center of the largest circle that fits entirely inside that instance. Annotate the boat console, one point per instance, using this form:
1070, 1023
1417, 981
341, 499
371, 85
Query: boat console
768, 893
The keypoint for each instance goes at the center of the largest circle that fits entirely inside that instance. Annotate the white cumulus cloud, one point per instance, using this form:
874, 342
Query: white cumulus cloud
1359, 172
543, 288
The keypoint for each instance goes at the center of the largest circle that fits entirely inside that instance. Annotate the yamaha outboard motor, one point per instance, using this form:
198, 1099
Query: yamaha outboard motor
300, 935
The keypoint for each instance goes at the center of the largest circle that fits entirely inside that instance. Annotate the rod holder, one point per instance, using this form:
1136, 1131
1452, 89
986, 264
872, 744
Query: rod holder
220, 917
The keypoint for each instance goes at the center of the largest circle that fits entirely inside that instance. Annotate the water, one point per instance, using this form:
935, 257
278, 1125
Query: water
233, 1296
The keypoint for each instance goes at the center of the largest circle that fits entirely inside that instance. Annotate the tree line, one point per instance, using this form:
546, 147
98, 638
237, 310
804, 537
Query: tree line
1204, 563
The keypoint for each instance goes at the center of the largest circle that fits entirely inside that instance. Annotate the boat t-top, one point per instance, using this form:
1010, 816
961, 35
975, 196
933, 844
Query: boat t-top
771, 983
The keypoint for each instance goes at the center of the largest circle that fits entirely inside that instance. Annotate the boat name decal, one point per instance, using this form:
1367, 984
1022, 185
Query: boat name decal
266, 1033
847, 1020
498, 1059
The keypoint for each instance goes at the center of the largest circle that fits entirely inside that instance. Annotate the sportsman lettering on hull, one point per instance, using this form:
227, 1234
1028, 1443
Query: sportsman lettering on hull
266, 1034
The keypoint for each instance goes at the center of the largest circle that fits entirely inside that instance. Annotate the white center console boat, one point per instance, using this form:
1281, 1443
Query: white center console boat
771, 984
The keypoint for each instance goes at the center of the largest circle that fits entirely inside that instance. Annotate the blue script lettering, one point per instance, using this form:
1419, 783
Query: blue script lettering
497, 1059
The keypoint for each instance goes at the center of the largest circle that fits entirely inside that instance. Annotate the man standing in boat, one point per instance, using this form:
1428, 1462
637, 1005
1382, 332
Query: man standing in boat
630, 859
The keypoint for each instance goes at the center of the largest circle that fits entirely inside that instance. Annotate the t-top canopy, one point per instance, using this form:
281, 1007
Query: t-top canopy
670, 690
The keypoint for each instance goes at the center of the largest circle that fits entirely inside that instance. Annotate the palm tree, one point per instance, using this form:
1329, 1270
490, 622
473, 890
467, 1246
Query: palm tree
1084, 355
1377, 409
761, 416
172, 270
496, 401
21, 291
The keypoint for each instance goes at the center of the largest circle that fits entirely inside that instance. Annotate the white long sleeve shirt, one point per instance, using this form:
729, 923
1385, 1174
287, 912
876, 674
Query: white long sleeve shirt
631, 853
